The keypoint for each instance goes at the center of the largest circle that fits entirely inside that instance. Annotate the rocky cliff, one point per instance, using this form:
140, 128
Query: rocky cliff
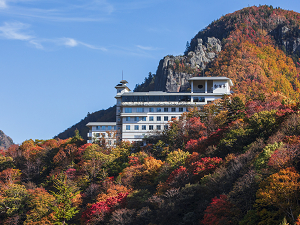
5, 141
173, 72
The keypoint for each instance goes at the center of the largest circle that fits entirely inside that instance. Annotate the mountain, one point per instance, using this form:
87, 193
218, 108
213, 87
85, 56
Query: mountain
104, 115
257, 47
5, 141
235, 161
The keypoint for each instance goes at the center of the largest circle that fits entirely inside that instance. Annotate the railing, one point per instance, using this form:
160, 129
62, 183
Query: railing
202, 91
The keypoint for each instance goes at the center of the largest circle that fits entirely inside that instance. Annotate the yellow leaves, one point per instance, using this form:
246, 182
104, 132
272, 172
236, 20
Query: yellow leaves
177, 158
151, 166
281, 190
113, 190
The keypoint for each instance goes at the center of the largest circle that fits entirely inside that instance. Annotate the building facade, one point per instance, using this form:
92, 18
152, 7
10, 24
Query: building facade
104, 132
141, 114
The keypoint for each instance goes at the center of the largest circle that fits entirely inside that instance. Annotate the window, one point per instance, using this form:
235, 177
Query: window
119, 119
136, 118
150, 118
97, 127
151, 109
199, 99
136, 127
128, 110
109, 142
165, 118
115, 127
103, 128
158, 118
150, 127
173, 117
139, 110
158, 127
144, 118
109, 128
173, 109
128, 118
180, 109
166, 127
97, 134
103, 135
166, 109
143, 127
127, 127
158, 109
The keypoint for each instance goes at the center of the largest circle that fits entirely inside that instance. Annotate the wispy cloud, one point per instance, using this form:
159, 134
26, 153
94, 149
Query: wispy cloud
15, 31
147, 48
18, 31
70, 42
3, 4
59, 11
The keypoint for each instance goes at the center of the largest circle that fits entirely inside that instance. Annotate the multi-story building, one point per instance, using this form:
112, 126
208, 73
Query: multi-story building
102, 132
141, 114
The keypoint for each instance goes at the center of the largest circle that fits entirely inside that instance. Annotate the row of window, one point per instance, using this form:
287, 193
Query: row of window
157, 98
105, 127
151, 118
144, 127
158, 109
103, 134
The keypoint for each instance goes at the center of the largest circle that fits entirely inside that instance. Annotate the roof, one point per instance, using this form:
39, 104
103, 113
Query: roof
151, 93
211, 78
101, 124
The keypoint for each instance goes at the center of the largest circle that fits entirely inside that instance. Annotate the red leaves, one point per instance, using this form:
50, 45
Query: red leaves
218, 212
99, 210
206, 165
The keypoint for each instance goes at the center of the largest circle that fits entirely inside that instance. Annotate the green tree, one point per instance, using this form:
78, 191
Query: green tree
65, 195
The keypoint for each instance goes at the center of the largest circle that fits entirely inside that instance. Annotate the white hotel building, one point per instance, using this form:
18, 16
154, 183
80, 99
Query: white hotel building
141, 114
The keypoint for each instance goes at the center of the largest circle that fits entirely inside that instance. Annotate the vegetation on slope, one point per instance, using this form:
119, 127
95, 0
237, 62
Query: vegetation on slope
234, 162
104, 115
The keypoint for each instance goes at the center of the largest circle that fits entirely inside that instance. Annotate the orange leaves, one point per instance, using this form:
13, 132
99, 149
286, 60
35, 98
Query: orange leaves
281, 190
10, 176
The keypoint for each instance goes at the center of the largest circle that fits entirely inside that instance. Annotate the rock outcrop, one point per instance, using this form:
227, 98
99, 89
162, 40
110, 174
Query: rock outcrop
5, 141
172, 77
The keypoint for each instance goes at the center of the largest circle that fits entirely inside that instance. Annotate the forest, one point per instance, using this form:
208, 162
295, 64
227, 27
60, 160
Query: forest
233, 161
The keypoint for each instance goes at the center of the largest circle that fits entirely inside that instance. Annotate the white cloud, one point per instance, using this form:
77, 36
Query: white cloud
3, 4
15, 31
70, 42
148, 48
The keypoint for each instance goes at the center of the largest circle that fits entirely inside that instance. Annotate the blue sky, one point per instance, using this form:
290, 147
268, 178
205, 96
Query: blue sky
60, 60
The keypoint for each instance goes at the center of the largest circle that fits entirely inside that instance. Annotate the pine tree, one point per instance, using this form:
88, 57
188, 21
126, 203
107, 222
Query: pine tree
64, 208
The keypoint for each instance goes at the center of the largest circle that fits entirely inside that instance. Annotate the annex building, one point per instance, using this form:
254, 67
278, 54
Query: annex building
141, 114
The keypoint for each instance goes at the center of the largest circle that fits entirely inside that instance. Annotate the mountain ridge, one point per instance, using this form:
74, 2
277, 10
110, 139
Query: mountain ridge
257, 47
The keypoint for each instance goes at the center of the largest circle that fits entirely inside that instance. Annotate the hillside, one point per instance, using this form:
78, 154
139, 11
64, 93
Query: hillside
235, 162
5, 141
257, 47
104, 115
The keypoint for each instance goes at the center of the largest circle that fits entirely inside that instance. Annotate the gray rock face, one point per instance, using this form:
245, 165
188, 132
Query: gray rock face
287, 37
5, 141
168, 79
